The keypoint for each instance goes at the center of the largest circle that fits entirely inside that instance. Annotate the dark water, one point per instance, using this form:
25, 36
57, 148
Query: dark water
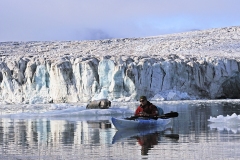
189, 137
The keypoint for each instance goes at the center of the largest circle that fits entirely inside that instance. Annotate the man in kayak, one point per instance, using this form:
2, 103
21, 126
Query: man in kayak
146, 108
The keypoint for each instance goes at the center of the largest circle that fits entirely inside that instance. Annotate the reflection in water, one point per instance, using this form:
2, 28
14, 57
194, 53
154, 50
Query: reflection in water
96, 135
146, 138
66, 138
26, 132
102, 124
147, 142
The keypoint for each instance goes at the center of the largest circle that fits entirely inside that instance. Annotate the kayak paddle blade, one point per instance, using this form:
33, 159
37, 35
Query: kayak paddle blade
169, 115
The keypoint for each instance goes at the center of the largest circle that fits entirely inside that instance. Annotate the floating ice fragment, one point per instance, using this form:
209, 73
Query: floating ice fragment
229, 123
157, 97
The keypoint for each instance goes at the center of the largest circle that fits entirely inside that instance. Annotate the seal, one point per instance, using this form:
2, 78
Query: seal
99, 104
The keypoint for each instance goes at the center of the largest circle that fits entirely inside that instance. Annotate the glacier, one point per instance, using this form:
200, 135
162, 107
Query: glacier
191, 65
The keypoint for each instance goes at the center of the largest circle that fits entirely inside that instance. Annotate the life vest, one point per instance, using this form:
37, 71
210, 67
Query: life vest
160, 111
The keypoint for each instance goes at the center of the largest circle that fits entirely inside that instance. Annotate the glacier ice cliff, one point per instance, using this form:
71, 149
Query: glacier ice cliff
200, 64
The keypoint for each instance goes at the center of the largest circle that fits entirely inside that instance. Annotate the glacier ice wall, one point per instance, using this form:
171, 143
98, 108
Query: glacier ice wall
82, 80
200, 64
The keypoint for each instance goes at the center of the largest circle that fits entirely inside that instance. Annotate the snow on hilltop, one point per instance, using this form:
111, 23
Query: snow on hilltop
223, 42
200, 64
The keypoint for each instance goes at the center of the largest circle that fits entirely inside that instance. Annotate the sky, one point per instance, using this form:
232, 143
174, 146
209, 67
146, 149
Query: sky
70, 20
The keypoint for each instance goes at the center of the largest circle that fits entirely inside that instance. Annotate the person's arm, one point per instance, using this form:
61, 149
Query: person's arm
154, 111
138, 111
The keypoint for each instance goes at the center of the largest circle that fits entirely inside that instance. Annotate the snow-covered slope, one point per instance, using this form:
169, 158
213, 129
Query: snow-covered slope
200, 64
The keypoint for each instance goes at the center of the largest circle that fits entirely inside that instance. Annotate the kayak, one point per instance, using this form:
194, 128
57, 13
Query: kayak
139, 123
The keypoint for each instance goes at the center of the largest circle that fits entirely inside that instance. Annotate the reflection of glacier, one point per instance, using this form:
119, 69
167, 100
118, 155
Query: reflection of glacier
58, 124
55, 132
229, 123
35, 137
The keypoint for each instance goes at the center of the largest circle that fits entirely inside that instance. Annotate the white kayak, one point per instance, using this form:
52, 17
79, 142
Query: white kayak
139, 123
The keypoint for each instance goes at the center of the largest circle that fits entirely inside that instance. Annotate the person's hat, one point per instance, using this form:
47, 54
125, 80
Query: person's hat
143, 97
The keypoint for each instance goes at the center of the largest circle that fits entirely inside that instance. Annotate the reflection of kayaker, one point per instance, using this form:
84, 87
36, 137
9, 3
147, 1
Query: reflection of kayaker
146, 138
122, 135
147, 142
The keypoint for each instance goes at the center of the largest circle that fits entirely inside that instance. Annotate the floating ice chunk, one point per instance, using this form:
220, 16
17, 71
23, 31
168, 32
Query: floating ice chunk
172, 96
123, 99
229, 123
219, 118
234, 118
157, 97
36, 99
102, 95
177, 96
184, 96
59, 106
127, 99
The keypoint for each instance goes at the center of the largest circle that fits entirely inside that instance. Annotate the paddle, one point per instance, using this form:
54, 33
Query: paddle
173, 136
164, 116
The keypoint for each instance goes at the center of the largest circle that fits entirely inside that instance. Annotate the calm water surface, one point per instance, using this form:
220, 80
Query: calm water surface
190, 136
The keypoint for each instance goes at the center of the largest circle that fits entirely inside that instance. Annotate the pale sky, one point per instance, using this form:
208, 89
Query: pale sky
64, 20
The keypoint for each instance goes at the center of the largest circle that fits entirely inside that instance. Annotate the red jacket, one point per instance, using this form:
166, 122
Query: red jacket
149, 108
